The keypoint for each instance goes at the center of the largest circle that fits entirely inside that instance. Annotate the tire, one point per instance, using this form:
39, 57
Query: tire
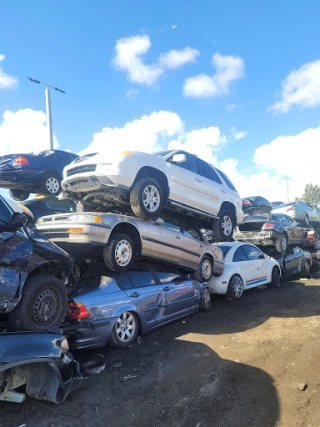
307, 267
205, 300
205, 270
50, 183
146, 198
317, 245
275, 278
224, 226
282, 243
46, 293
125, 330
19, 195
235, 287
119, 254
307, 221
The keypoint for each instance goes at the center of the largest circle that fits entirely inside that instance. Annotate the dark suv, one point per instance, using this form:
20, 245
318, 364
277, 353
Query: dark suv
34, 274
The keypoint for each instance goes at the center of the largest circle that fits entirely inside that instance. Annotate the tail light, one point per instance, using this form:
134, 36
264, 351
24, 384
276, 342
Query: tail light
290, 209
245, 202
268, 226
77, 310
20, 160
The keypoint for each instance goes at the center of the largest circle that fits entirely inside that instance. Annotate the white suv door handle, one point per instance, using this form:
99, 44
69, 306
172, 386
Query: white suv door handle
198, 180
223, 191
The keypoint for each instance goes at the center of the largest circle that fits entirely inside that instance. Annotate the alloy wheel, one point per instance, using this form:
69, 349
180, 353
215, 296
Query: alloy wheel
126, 327
151, 198
226, 225
237, 286
123, 253
52, 185
206, 269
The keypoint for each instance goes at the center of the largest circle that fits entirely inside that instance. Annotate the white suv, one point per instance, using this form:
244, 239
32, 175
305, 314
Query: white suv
147, 183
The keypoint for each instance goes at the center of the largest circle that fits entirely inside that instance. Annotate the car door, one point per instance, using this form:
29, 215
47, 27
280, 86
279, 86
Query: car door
258, 266
179, 296
298, 232
212, 187
241, 260
184, 181
290, 262
193, 244
15, 252
164, 241
146, 294
299, 259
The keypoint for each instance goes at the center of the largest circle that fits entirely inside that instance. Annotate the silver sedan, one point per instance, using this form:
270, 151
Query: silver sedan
120, 240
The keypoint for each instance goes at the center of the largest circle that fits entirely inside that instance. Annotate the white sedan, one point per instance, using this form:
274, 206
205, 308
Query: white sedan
245, 267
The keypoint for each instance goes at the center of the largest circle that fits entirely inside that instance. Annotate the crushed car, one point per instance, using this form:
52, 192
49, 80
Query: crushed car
38, 172
34, 274
113, 308
302, 212
121, 240
256, 205
278, 230
41, 363
144, 184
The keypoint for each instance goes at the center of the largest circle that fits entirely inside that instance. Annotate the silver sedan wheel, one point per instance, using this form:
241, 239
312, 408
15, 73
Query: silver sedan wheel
237, 286
126, 327
226, 225
151, 198
52, 185
123, 253
206, 270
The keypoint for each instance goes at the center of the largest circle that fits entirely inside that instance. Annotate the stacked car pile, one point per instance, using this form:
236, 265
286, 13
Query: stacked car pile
151, 239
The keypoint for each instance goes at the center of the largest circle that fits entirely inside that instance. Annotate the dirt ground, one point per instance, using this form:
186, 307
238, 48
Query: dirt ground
253, 362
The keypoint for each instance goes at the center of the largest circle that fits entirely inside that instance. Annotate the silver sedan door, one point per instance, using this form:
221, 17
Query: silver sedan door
192, 245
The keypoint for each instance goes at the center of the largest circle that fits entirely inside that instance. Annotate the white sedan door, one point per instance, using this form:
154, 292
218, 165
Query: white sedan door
185, 184
258, 266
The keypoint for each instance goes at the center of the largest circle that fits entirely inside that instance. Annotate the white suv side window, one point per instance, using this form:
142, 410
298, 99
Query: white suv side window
189, 164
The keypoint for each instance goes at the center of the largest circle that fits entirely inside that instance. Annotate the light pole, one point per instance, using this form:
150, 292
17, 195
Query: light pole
48, 107
287, 178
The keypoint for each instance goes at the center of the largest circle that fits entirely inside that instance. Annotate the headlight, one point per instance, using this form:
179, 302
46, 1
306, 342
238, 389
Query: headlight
85, 218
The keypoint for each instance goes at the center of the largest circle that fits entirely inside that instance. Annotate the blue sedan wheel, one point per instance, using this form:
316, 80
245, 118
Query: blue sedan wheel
125, 330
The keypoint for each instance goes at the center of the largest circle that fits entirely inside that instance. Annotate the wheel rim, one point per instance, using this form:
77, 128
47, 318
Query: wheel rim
206, 270
151, 198
237, 287
45, 307
283, 243
206, 297
123, 252
226, 225
307, 267
52, 185
126, 327
317, 244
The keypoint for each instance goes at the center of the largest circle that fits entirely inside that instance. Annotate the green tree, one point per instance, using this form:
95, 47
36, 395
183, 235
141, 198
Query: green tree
311, 194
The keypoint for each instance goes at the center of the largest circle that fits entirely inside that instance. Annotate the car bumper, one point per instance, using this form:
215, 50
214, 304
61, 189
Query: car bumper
90, 334
262, 238
218, 285
15, 178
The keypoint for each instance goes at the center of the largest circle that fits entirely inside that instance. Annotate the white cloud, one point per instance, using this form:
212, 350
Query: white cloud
24, 131
132, 93
293, 156
238, 134
159, 130
300, 88
6, 81
228, 69
128, 58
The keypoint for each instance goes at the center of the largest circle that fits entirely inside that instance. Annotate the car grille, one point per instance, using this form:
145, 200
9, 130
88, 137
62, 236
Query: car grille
52, 234
81, 169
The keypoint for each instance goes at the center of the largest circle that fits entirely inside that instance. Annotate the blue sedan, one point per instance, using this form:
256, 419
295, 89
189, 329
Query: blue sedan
114, 308
39, 172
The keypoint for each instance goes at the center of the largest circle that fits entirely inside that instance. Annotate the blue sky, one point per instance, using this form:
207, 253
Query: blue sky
70, 44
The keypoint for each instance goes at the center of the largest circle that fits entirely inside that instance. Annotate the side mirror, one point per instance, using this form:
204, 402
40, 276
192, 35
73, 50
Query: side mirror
158, 221
18, 220
179, 158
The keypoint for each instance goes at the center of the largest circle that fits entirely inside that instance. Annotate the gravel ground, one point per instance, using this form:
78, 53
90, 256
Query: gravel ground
252, 362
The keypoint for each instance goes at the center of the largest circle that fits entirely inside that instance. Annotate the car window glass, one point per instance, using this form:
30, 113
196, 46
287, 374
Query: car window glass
141, 279
225, 249
227, 180
189, 164
4, 213
171, 223
252, 252
168, 277
124, 281
291, 221
240, 255
263, 200
205, 170
191, 231
61, 205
